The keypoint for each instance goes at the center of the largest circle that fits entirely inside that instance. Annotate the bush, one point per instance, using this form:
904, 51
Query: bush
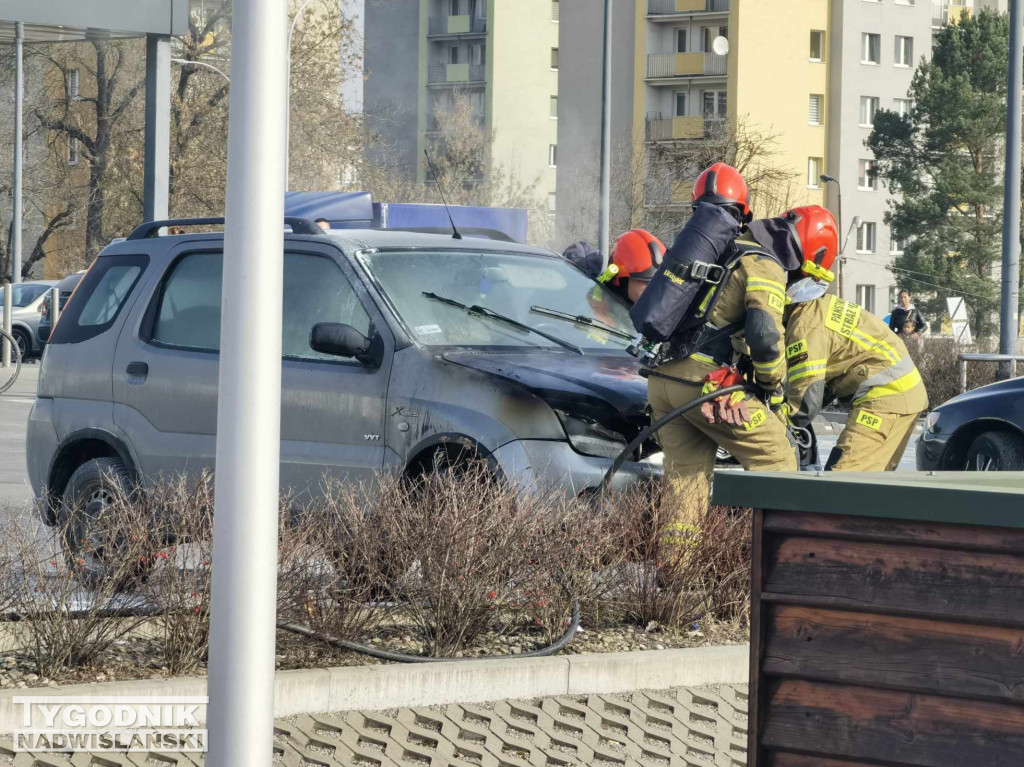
939, 363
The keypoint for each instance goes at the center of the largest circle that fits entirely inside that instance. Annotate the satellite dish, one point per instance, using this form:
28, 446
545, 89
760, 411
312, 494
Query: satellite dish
720, 45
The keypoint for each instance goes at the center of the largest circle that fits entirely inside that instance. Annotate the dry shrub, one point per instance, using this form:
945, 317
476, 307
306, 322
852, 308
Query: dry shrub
69, 621
177, 585
939, 363
332, 575
678, 574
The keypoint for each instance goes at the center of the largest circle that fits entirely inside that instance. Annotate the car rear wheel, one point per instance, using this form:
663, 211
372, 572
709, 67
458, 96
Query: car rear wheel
995, 451
23, 342
91, 551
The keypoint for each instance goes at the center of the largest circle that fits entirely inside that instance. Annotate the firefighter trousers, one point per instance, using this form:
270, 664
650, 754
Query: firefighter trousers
690, 443
871, 441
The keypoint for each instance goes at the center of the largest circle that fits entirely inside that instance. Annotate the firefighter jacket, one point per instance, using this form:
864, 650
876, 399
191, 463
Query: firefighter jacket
835, 345
753, 298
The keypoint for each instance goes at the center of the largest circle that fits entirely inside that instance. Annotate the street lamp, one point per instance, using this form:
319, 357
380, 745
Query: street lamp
189, 62
839, 210
288, 93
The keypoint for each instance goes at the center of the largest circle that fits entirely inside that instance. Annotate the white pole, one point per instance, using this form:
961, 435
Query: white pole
604, 234
243, 610
54, 308
5, 345
19, 101
288, 93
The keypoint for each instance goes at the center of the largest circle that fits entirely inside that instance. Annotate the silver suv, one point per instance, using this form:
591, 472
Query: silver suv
399, 350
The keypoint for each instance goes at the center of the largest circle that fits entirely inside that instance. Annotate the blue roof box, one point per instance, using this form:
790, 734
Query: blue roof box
345, 210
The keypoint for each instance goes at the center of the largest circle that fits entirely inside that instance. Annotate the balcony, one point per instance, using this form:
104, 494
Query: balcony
680, 7
443, 74
671, 65
671, 194
453, 26
948, 11
671, 128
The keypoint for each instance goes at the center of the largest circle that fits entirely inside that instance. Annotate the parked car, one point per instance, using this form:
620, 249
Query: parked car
66, 287
399, 350
982, 430
27, 298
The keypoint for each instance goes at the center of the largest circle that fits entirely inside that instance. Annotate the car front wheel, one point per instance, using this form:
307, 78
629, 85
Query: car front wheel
995, 451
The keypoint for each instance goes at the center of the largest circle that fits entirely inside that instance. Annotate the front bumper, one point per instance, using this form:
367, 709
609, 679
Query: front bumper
547, 465
929, 451
41, 445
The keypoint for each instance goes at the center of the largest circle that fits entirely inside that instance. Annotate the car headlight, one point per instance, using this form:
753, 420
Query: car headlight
931, 420
589, 437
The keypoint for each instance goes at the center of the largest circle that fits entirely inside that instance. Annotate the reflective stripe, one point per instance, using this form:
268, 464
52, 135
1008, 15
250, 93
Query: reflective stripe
898, 386
702, 358
811, 369
874, 344
772, 288
769, 367
765, 283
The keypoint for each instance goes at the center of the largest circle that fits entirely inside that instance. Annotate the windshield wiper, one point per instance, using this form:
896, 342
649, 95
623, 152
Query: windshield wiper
581, 319
483, 311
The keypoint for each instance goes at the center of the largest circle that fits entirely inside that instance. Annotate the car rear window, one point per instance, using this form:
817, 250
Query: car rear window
99, 298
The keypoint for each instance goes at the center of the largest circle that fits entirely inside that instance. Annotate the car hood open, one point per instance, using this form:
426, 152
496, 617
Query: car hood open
568, 381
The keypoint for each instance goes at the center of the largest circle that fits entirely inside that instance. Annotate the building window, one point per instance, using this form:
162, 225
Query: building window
680, 104
554, 108
478, 54
904, 51
554, 58
454, 6
866, 297
871, 48
554, 10
814, 170
714, 104
72, 151
817, 45
682, 41
903, 107
866, 237
552, 202
553, 156
73, 84
453, 54
708, 35
896, 244
866, 179
815, 110
868, 108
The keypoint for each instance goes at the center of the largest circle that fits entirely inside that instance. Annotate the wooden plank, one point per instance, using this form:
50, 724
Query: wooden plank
937, 535
757, 628
954, 585
912, 654
902, 728
785, 759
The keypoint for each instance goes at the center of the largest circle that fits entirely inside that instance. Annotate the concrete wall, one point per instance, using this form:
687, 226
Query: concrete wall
391, 62
579, 108
771, 80
851, 80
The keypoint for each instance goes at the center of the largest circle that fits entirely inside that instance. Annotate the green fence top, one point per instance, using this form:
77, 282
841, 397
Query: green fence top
992, 499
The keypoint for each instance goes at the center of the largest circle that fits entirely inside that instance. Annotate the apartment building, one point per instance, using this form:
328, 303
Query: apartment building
502, 54
812, 73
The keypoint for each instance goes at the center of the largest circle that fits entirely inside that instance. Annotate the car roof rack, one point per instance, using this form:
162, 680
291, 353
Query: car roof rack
150, 228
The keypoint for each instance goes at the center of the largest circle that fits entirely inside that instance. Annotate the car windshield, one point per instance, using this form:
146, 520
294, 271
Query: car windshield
23, 294
509, 284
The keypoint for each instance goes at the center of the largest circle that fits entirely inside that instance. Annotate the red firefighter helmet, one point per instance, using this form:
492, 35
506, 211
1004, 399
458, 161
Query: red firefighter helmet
818, 235
637, 253
723, 185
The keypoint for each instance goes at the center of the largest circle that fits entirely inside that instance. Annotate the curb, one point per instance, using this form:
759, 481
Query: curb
374, 688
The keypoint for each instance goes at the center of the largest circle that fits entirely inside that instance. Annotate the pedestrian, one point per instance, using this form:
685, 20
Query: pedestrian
834, 345
744, 316
905, 312
912, 339
586, 258
633, 263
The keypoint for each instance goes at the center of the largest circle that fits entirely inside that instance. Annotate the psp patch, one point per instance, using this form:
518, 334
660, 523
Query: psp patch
757, 418
869, 420
796, 352
775, 302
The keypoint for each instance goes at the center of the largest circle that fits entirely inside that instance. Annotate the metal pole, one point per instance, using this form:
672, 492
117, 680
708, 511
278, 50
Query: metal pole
963, 375
19, 104
288, 93
157, 143
1011, 203
5, 352
604, 236
54, 308
244, 599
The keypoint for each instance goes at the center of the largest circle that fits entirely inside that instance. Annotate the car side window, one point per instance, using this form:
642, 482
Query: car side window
99, 298
315, 290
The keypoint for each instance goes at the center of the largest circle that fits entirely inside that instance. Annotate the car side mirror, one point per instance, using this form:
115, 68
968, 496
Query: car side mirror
341, 340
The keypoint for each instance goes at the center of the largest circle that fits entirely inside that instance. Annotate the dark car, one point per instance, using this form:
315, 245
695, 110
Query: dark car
982, 430
66, 287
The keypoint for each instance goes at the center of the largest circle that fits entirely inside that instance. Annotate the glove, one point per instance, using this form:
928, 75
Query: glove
732, 409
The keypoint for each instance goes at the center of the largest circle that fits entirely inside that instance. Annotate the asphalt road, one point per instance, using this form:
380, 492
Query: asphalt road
15, 405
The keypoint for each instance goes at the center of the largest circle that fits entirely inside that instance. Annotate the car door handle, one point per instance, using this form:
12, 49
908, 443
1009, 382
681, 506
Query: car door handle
138, 369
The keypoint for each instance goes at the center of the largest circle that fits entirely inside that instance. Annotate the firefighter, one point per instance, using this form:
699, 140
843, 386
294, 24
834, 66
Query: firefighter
835, 346
746, 320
